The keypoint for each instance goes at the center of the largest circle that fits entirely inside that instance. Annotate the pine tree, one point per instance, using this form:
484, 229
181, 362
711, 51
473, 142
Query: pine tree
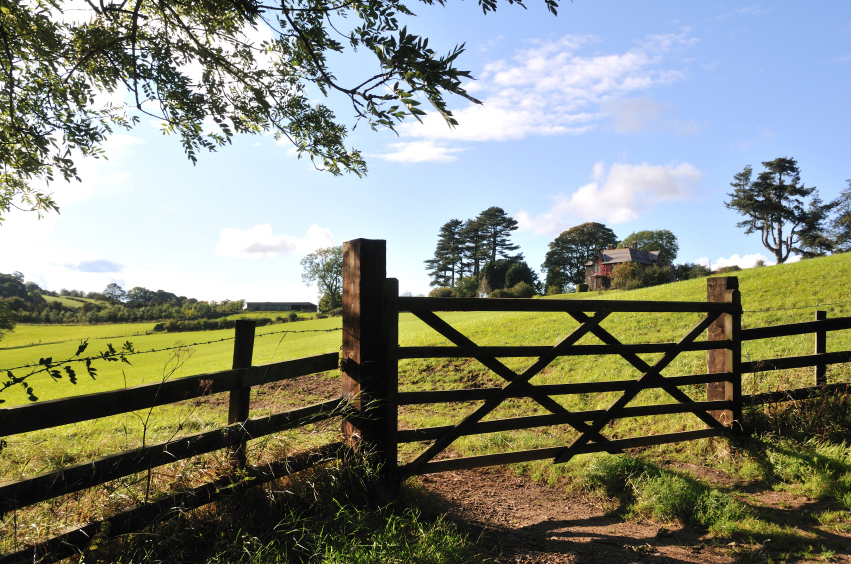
447, 264
496, 228
472, 247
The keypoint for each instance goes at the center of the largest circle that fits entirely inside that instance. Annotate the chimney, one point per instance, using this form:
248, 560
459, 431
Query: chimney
634, 245
610, 247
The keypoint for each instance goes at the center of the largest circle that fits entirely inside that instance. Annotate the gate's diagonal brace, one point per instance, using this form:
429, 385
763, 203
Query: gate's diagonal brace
643, 367
459, 339
648, 377
494, 401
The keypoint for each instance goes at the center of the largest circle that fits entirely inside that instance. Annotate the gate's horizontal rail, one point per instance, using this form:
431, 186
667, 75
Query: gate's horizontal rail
516, 423
544, 453
797, 394
802, 328
21, 493
796, 361
477, 394
52, 413
531, 305
536, 351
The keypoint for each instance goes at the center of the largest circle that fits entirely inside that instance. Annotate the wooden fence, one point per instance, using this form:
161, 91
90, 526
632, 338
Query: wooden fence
370, 358
234, 437
370, 397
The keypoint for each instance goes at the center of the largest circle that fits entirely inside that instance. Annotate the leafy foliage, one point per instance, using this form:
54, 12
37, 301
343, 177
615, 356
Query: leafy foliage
448, 256
658, 240
188, 64
840, 226
565, 261
775, 205
324, 267
631, 276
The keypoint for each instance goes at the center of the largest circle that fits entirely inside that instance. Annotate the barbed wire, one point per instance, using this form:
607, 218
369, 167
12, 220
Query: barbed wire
164, 349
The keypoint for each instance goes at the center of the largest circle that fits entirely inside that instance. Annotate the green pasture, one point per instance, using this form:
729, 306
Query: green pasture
67, 302
770, 295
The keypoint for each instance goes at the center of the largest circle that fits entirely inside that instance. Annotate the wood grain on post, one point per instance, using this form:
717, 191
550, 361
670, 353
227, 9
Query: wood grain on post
820, 371
243, 352
726, 327
364, 353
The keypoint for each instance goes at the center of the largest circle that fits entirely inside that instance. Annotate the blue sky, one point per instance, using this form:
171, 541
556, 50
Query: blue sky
633, 114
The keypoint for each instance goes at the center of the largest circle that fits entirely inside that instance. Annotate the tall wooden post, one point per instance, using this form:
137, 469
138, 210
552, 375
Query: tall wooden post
370, 327
820, 370
726, 327
243, 352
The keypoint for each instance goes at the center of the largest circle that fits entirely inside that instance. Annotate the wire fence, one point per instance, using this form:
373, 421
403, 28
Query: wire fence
119, 355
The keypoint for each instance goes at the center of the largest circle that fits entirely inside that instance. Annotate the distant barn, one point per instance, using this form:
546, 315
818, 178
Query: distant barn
281, 306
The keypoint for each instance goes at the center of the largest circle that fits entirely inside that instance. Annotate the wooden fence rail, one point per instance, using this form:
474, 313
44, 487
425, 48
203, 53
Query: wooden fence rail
241, 428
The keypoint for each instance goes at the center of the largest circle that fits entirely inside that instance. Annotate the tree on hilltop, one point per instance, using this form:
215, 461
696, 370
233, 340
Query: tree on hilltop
189, 64
324, 267
448, 264
840, 226
775, 205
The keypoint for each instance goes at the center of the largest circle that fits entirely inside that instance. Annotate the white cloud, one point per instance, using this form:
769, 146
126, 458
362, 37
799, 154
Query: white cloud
419, 152
619, 195
258, 242
747, 261
550, 89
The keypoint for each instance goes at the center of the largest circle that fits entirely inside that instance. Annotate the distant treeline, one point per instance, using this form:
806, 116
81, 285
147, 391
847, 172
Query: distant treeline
27, 302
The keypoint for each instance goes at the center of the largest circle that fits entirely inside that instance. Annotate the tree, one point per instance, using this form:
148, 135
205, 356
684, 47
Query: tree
840, 226
565, 261
187, 64
659, 240
448, 262
520, 272
140, 296
472, 246
496, 227
774, 206
7, 319
324, 267
114, 293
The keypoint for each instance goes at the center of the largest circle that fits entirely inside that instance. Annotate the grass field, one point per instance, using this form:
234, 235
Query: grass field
770, 295
72, 303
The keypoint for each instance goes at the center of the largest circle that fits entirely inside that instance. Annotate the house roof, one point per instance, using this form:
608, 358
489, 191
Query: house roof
617, 256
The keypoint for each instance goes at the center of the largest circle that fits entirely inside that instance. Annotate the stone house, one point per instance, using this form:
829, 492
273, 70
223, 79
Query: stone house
598, 270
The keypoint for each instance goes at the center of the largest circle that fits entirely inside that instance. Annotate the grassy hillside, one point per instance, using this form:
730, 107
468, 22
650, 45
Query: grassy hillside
74, 303
770, 295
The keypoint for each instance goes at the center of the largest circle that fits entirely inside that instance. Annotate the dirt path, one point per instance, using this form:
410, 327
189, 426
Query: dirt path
526, 521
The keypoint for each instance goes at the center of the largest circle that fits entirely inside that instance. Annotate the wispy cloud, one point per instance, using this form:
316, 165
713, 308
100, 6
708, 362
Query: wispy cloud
633, 115
765, 135
97, 265
419, 152
619, 195
259, 241
552, 89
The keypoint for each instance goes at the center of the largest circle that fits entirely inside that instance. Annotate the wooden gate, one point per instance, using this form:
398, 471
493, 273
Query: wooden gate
371, 307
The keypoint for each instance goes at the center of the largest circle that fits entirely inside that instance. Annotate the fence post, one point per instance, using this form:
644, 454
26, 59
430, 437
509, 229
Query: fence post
368, 380
820, 370
726, 327
243, 352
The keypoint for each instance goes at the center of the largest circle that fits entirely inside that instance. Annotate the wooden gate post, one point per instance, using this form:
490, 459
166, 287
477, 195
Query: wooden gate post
726, 327
820, 370
243, 352
370, 326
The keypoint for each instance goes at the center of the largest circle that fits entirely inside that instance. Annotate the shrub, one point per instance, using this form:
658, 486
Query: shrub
321, 315
467, 287
731, 268
336, 312
554, 289
522, 290
582, 287
498, 293
520, 272
442, 292
631, 276
293, 316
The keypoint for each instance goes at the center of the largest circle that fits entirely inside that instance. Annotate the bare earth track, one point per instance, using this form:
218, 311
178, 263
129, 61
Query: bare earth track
526, 521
